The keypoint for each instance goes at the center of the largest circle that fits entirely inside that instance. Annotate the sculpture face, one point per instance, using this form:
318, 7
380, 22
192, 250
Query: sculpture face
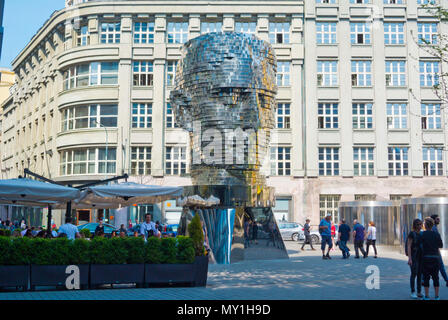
226, 85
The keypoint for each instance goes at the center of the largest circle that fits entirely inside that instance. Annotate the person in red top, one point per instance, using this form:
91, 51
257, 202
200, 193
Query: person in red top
333, 232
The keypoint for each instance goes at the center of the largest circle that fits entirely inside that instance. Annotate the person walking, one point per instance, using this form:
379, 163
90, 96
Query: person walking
414, 253
358, 237
307, 233
325, 230
343, 237
431, 242
70, 230
436, 219
371, 238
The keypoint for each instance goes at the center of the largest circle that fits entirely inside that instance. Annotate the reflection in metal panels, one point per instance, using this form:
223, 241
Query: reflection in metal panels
421, 208
384, 214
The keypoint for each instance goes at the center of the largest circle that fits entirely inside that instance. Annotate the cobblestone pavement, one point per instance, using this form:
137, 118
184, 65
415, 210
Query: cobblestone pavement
304, 276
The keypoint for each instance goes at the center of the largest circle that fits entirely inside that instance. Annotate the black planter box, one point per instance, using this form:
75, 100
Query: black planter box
116, 274
201, 271
55, 276
157, 274
14, 276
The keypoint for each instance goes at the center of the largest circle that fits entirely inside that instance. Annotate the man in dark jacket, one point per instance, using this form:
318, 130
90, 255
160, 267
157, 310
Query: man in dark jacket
343, 237
436, 219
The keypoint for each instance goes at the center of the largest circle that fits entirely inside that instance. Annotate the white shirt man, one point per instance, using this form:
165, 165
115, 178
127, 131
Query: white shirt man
147, 226
69, 229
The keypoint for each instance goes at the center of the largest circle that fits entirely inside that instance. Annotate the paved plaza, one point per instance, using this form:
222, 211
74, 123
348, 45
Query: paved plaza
305, 276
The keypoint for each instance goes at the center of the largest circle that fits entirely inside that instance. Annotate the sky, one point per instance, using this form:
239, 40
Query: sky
22, 19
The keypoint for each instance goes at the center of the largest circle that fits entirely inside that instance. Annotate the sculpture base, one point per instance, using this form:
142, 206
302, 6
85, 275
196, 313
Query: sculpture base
238, 233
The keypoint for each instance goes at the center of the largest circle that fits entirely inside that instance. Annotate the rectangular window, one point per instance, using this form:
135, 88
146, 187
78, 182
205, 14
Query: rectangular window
143, 32
325, 1
328, 161
398, 161
110, 32
426, 1
393, 1
427, 33
429, 73
328, 204
283, 73
141, 115
432, 161
363, 161
83, 36
395, 73
360, 1
141, 161
365, 197
177, 32
361, 73
171, 72
393, 33
88, 161
360, 33
362, 115
279, 32
143, 73
283, 116
327, 115
175, 160
170, 120
326, 32
281, 161
91, 74
431, 116
327, 73
397, 117
90, 116
246, 27
207, 27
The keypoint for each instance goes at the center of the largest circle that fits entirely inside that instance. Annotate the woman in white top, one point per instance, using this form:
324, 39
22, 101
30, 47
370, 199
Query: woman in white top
371, 238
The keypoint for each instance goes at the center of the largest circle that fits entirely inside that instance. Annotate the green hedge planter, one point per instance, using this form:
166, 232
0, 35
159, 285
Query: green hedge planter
56, 276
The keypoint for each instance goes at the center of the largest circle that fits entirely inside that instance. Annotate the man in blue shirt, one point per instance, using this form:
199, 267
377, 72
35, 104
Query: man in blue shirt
343, 237
358, 237
436, 219
148, 228
325, 232
69, 229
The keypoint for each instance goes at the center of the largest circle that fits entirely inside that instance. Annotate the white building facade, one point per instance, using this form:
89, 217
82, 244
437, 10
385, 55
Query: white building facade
92, 98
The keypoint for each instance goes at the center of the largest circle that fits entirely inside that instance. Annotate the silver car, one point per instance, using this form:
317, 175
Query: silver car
294, 231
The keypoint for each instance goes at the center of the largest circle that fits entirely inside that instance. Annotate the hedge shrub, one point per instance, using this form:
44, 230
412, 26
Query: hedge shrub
185, 250
86, 233
197, 235
153, 252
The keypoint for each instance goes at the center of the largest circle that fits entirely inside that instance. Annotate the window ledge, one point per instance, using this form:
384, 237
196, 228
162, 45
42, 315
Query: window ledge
328, 129
398, 130
396, 87
364, 130
395, 45
362, 87
327, 87
327, 44
432, 130
361, 45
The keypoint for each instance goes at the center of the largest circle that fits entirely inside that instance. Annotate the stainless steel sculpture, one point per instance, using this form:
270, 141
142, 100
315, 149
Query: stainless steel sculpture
225, 98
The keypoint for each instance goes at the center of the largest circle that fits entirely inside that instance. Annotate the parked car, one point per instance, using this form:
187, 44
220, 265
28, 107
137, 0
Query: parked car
170, 230
108, 228
294, 231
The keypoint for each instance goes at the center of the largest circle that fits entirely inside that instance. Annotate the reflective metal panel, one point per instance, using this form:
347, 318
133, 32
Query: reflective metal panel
383, 213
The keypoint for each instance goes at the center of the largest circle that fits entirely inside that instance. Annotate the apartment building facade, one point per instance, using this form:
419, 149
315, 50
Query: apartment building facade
92, 98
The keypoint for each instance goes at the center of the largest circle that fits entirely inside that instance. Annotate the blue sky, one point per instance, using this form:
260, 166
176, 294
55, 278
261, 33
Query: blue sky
22, 19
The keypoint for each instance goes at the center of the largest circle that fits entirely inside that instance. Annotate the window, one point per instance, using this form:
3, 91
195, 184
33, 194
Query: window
326, 32
426, 1
362, 115
207, 27
325, 1
397, 116
365, 197
395, 73
83, 36
246, 27
360, 33
429, 73
283, 70
360, 1
279, 32
328, 161
328, 204
283, 116
393, 1
363, 163
432, 161
143, 32
141, 115
327, 115
361, 73
175, 160
394, 33
90, 116
177, 32
91, 74
398, 161
110, 32
427, 33
327, 73
171, 72
431, 116
88, 161
141, 161
281, 161
170, 121
143, 73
